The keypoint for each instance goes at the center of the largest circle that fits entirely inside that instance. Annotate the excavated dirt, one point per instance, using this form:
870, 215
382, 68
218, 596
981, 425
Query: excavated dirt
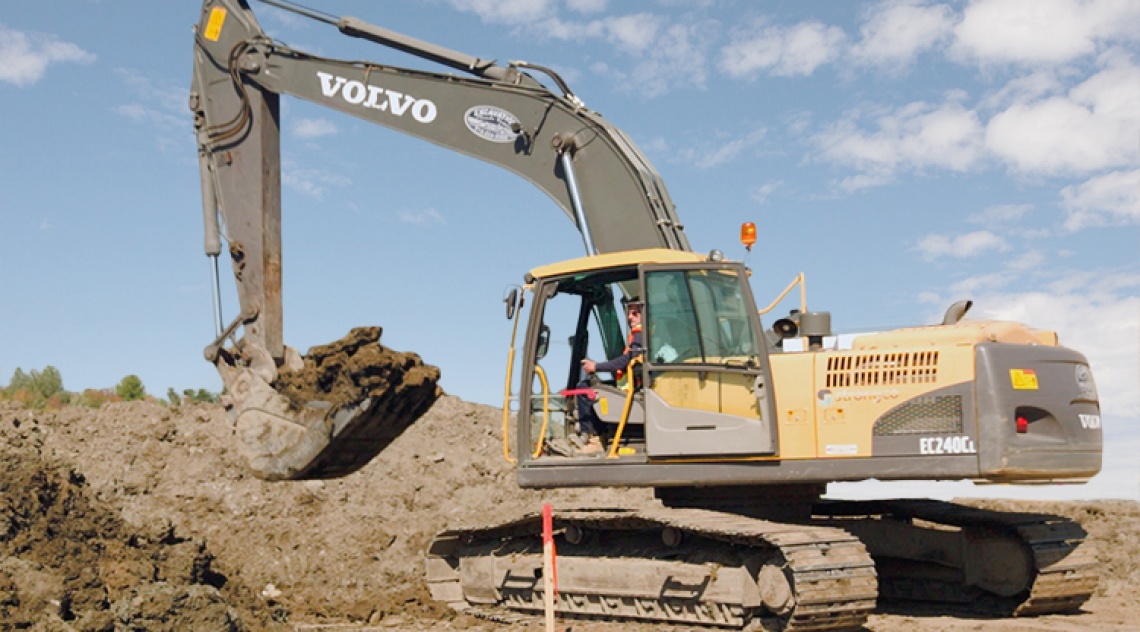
356, 367
139, 517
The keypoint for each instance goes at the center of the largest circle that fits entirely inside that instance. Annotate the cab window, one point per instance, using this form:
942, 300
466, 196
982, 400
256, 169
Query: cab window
698, 316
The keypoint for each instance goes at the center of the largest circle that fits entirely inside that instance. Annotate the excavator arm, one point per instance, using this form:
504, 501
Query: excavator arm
501, 115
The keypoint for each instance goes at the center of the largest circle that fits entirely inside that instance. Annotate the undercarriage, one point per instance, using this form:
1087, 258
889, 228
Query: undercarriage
716, 567
988, 562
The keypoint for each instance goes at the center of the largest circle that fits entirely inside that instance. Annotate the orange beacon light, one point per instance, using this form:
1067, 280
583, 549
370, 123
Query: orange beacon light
748, 235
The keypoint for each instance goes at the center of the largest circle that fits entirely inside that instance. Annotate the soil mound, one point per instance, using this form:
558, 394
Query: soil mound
136, 516
357, 367
68, 560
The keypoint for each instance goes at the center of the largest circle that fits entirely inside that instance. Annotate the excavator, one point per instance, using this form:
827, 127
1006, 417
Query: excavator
738, 429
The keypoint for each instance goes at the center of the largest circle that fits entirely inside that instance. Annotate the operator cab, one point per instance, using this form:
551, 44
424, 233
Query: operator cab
698, 390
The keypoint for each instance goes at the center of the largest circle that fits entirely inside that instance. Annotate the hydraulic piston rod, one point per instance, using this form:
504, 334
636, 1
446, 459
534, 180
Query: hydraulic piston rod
356, 27
576, 200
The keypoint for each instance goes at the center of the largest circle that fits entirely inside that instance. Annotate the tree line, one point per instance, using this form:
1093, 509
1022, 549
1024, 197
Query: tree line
44, 389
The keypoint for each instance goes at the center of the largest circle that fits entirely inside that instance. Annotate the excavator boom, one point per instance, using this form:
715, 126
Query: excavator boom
501, 115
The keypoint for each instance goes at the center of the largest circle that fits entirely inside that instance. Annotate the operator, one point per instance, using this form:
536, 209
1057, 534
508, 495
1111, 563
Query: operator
588, 421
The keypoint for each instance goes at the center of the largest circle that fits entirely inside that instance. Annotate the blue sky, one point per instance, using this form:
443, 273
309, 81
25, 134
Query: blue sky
904, 155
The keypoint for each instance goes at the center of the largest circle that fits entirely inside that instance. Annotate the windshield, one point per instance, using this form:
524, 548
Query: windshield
698, 316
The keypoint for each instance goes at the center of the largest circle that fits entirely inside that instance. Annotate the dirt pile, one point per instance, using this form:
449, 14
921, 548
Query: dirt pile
357, 367
140, 517
347, 549
70, 561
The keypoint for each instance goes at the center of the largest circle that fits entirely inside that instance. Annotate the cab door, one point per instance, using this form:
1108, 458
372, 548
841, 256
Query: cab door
705, 369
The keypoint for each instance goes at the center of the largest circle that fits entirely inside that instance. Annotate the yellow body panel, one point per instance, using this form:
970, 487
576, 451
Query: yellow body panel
729, 393
737, 397
828, 401
968, 332
616, 259
688, 389
793, 382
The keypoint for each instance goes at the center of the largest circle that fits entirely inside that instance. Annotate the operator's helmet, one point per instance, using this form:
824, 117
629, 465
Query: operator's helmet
634, 302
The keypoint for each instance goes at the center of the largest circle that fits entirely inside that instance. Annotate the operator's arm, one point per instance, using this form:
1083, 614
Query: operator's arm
622, 361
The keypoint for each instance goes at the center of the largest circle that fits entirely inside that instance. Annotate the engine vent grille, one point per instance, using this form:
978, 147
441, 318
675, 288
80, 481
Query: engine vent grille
923, 415
882, 369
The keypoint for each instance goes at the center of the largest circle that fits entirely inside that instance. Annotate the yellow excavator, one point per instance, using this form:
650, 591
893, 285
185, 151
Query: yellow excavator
737, 428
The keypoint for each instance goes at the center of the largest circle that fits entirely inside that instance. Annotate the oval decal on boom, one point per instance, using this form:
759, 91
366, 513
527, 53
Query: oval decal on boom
491, 123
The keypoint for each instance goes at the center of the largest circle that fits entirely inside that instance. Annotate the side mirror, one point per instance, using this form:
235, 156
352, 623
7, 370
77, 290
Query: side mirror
513, 301
543, 343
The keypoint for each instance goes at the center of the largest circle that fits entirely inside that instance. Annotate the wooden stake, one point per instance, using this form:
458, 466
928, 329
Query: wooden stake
549, 570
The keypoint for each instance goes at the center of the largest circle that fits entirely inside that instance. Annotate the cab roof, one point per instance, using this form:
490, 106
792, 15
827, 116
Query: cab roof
616, 260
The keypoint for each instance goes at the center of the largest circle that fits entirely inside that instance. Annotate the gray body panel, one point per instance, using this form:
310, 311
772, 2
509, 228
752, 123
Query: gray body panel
681, 432
952, 433
634, 472
1057, 441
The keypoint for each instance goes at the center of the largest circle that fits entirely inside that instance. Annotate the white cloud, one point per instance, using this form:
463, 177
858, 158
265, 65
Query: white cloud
674, 58
760, 194
1001, 214
24, 57
655, 145
310, 182
781, 51
313, 128
161, 106
1030, 260
164, 101
894, 33
976, 285
863, 181
1113, 198
710, 155
664, 55
1042, 31
1092, 127
633, 33
1038, 84
915, 136
425, 217
135, 111
282, 17
935, 246
586, 6
505, 11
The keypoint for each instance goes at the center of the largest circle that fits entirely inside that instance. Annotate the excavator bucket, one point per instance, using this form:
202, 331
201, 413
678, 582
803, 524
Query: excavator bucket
327, 414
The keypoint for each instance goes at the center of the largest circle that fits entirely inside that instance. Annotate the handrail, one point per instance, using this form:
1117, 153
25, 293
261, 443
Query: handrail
545, 411
800, 280
507, 392
629, 387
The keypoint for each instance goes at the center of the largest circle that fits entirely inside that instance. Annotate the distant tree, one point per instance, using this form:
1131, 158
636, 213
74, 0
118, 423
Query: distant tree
20, 380
201, 396
172, 397
130, 388
37, 389
47, 383
95, 398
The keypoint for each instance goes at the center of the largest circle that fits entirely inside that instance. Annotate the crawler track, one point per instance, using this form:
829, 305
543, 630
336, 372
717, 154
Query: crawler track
1060, 564
717, 569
